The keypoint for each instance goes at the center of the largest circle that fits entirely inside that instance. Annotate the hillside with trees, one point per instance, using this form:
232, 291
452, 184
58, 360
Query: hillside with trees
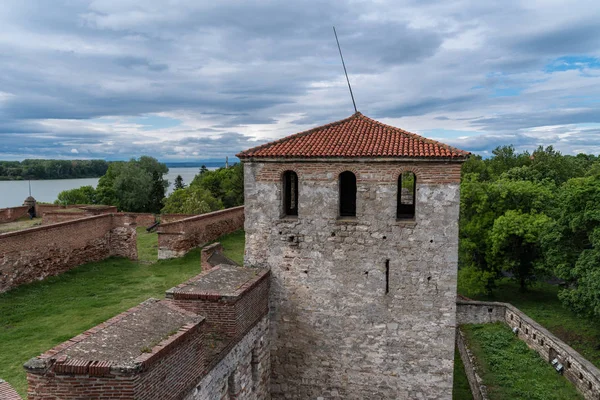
52, 169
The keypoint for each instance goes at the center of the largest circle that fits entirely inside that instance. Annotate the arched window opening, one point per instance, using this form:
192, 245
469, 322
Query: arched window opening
290, 193
407, 190
347, 194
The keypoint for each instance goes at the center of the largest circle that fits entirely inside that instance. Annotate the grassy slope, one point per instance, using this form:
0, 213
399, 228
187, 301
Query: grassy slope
541, 304
511, 370
461, 389
38, 316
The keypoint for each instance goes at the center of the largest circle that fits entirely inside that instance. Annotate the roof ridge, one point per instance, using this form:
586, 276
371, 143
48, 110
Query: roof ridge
299, 134
423, 138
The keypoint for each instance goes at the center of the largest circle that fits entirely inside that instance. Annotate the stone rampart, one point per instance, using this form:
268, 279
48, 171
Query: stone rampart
177, 238
478, 389
36, 253
583, 374
12, 213
161, 351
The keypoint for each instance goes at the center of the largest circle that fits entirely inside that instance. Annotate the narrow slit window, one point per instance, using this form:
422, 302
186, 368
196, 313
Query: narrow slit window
347, 194
290, 190
387, 276
407, 190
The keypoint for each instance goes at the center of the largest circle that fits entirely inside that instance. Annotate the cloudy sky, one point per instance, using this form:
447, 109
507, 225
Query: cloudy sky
184, 80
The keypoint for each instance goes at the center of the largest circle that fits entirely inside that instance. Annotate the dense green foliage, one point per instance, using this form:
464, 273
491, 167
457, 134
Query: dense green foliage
82, 195
135, 185
38, 316
209, 191
52, 169
531, 216
511, 370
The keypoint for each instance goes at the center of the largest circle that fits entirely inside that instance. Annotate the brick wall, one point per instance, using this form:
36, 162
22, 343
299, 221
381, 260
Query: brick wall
583, 374
168, 218
33, 254
228, 315
12, 214
177, 238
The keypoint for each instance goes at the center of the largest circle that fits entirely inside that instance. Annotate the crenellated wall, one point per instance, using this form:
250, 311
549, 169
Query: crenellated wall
36, 253
583, 374
161, 351
177, 238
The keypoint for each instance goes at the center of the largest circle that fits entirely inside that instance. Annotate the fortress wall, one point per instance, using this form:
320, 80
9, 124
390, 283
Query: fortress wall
336, 333
168, 218
583, 374
192, 361
12, 213
175, 239
36, 253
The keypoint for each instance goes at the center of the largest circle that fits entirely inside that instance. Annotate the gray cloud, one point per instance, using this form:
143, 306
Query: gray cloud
238, 73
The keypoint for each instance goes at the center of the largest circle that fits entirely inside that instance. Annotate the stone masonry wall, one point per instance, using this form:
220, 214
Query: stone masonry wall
12, 214
583, 374
34, 254
243, 374
478, 389
175, 239
336, 333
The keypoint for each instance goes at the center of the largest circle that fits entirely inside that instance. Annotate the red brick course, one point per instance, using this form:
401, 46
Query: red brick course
433, 172
179, 237
33, 254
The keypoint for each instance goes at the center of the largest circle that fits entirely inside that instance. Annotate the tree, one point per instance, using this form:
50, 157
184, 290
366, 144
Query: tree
82, 195
179, 183
224, 184
191, 200
515, 245
136, 185
572, 244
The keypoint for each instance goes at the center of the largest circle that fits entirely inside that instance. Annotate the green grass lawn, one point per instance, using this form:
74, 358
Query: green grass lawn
460, 389
541, 304
38, 316
512, 371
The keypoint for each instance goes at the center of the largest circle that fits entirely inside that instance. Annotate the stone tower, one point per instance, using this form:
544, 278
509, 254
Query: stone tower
358, 222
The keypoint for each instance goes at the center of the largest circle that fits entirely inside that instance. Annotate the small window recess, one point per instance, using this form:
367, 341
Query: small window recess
347, 195
387, 276
406, 199
290, 194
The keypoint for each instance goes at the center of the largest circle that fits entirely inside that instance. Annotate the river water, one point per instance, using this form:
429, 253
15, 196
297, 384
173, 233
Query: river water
12, 193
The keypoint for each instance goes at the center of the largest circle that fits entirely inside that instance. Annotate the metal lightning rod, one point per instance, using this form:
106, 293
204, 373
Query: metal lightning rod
344, 65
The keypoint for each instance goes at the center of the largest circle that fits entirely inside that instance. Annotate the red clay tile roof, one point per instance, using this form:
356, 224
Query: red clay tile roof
356, 136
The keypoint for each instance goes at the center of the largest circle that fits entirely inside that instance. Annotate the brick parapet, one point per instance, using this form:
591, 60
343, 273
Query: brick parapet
583, 374
12, 213
177, 238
